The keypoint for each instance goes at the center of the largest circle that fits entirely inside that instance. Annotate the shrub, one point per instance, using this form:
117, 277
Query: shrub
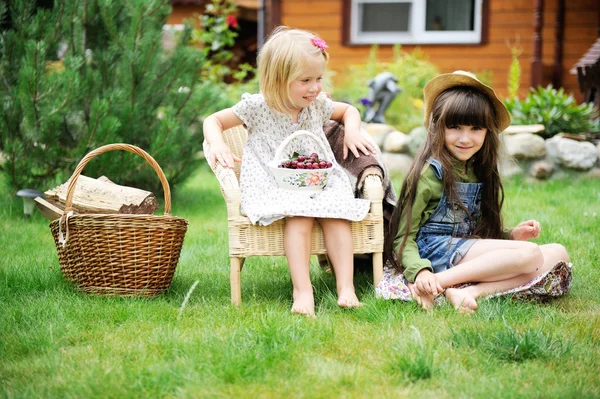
413, 71
84, 74
554, 109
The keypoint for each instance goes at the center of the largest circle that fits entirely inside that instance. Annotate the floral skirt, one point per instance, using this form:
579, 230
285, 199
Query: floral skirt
554, 283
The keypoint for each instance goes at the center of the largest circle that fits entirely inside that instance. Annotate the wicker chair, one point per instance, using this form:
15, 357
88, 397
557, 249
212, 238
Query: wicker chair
246, 239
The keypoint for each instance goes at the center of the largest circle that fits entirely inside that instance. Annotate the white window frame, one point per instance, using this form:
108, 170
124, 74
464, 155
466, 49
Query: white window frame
417, 33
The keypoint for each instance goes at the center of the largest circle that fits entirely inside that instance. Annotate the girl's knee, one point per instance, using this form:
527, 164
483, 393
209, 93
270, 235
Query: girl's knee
532, 257
557, 251
300, 225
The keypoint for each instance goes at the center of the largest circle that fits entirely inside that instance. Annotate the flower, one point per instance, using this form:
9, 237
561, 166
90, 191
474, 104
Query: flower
320, 43
232, 21
313, 179
366, 102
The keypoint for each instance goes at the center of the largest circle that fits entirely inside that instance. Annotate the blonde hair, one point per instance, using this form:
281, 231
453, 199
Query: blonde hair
281, 60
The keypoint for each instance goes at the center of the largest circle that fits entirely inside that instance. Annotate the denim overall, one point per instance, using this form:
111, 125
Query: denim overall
443, 238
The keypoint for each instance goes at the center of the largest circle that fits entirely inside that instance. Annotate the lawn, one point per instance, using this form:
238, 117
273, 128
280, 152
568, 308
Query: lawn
57, 342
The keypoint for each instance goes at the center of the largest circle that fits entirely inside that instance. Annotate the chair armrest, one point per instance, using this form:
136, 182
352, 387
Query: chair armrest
372, 190
228, 182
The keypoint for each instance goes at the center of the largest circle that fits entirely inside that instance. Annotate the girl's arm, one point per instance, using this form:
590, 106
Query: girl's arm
213, 128
353, 140
417, 269
526, 230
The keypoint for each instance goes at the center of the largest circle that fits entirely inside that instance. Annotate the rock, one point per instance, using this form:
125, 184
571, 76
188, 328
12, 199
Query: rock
417, 137
397, 163
594, 173
378, 131
525, 146
541, 170
514, 129
572, 154
396, 142
507, 166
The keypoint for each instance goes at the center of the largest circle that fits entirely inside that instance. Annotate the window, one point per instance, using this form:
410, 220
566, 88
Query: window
415, 21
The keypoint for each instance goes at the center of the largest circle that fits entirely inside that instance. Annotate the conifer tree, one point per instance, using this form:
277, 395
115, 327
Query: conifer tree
84, 73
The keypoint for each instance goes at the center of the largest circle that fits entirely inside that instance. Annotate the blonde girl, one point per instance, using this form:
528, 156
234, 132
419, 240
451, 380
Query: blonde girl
291, 65
447, 228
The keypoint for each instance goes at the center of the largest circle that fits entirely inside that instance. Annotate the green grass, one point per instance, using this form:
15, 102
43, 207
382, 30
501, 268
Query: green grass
57, 342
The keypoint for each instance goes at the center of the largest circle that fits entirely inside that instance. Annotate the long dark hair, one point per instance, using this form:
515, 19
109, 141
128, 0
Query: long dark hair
460, 105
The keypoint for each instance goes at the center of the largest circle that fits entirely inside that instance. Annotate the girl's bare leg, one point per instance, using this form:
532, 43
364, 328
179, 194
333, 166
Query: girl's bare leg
465, 299
338, 242
494, 260
296, 242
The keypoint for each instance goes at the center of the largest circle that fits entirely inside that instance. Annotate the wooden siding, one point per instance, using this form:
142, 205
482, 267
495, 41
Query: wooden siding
509, 20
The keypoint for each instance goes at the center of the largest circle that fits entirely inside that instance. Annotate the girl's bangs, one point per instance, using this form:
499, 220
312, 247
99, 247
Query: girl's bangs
468, 110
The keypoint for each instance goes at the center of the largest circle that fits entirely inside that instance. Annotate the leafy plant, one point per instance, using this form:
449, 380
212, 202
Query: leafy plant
514, 71
554, 109
216, 35
413, 71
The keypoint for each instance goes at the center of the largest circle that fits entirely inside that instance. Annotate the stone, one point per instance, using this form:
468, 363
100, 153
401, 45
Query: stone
396, 142
514, 129
572, 154
508, 166
397, 163
541, 170
417, 137
525, 146
378, 131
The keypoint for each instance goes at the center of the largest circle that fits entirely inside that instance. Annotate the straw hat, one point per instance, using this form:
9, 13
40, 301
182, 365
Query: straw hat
437, 85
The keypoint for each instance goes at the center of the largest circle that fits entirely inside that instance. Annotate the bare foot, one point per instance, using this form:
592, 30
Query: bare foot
347, 299
462, 300
304, 304
424, 301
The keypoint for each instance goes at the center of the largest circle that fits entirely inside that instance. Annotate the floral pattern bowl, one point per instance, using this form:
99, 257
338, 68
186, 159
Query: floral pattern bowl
307, 180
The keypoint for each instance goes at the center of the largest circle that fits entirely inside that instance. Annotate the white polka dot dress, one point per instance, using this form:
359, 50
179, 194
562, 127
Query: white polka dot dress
262, 199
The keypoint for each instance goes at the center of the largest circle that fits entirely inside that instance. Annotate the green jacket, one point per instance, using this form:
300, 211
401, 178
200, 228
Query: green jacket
429, 193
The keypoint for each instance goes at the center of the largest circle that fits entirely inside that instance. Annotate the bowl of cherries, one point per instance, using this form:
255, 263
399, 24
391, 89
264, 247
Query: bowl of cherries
301, 172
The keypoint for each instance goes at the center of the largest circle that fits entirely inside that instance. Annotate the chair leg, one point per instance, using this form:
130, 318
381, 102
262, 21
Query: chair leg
377, 268
235, 280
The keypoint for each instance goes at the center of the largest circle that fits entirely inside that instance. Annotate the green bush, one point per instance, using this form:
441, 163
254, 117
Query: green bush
413, 71
84, 74
554, 109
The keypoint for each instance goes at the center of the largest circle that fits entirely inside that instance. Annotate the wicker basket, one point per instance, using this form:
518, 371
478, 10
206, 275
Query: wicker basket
115, 254
302, 180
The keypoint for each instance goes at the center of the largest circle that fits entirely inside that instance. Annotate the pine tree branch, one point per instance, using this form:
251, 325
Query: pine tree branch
158, 7
132, 96
168, 86
83, 24
64, 103
61, 9
110, 28
95, 128
72, 38
36, 90
150, 52
189, 94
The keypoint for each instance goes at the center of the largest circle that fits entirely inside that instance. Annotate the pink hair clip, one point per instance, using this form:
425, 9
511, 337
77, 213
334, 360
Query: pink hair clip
320, 43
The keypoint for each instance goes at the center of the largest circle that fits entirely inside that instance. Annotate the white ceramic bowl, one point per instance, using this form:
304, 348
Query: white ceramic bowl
307, 180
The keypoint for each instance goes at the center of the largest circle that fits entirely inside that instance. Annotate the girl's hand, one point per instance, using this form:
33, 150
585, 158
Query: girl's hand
220, 152
526, 230
426, 284
355, 142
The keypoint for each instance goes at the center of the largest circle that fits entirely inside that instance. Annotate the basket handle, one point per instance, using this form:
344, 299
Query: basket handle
292, 136
112, 147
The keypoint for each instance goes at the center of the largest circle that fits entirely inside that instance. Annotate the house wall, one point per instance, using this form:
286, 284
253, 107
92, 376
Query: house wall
509, 21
